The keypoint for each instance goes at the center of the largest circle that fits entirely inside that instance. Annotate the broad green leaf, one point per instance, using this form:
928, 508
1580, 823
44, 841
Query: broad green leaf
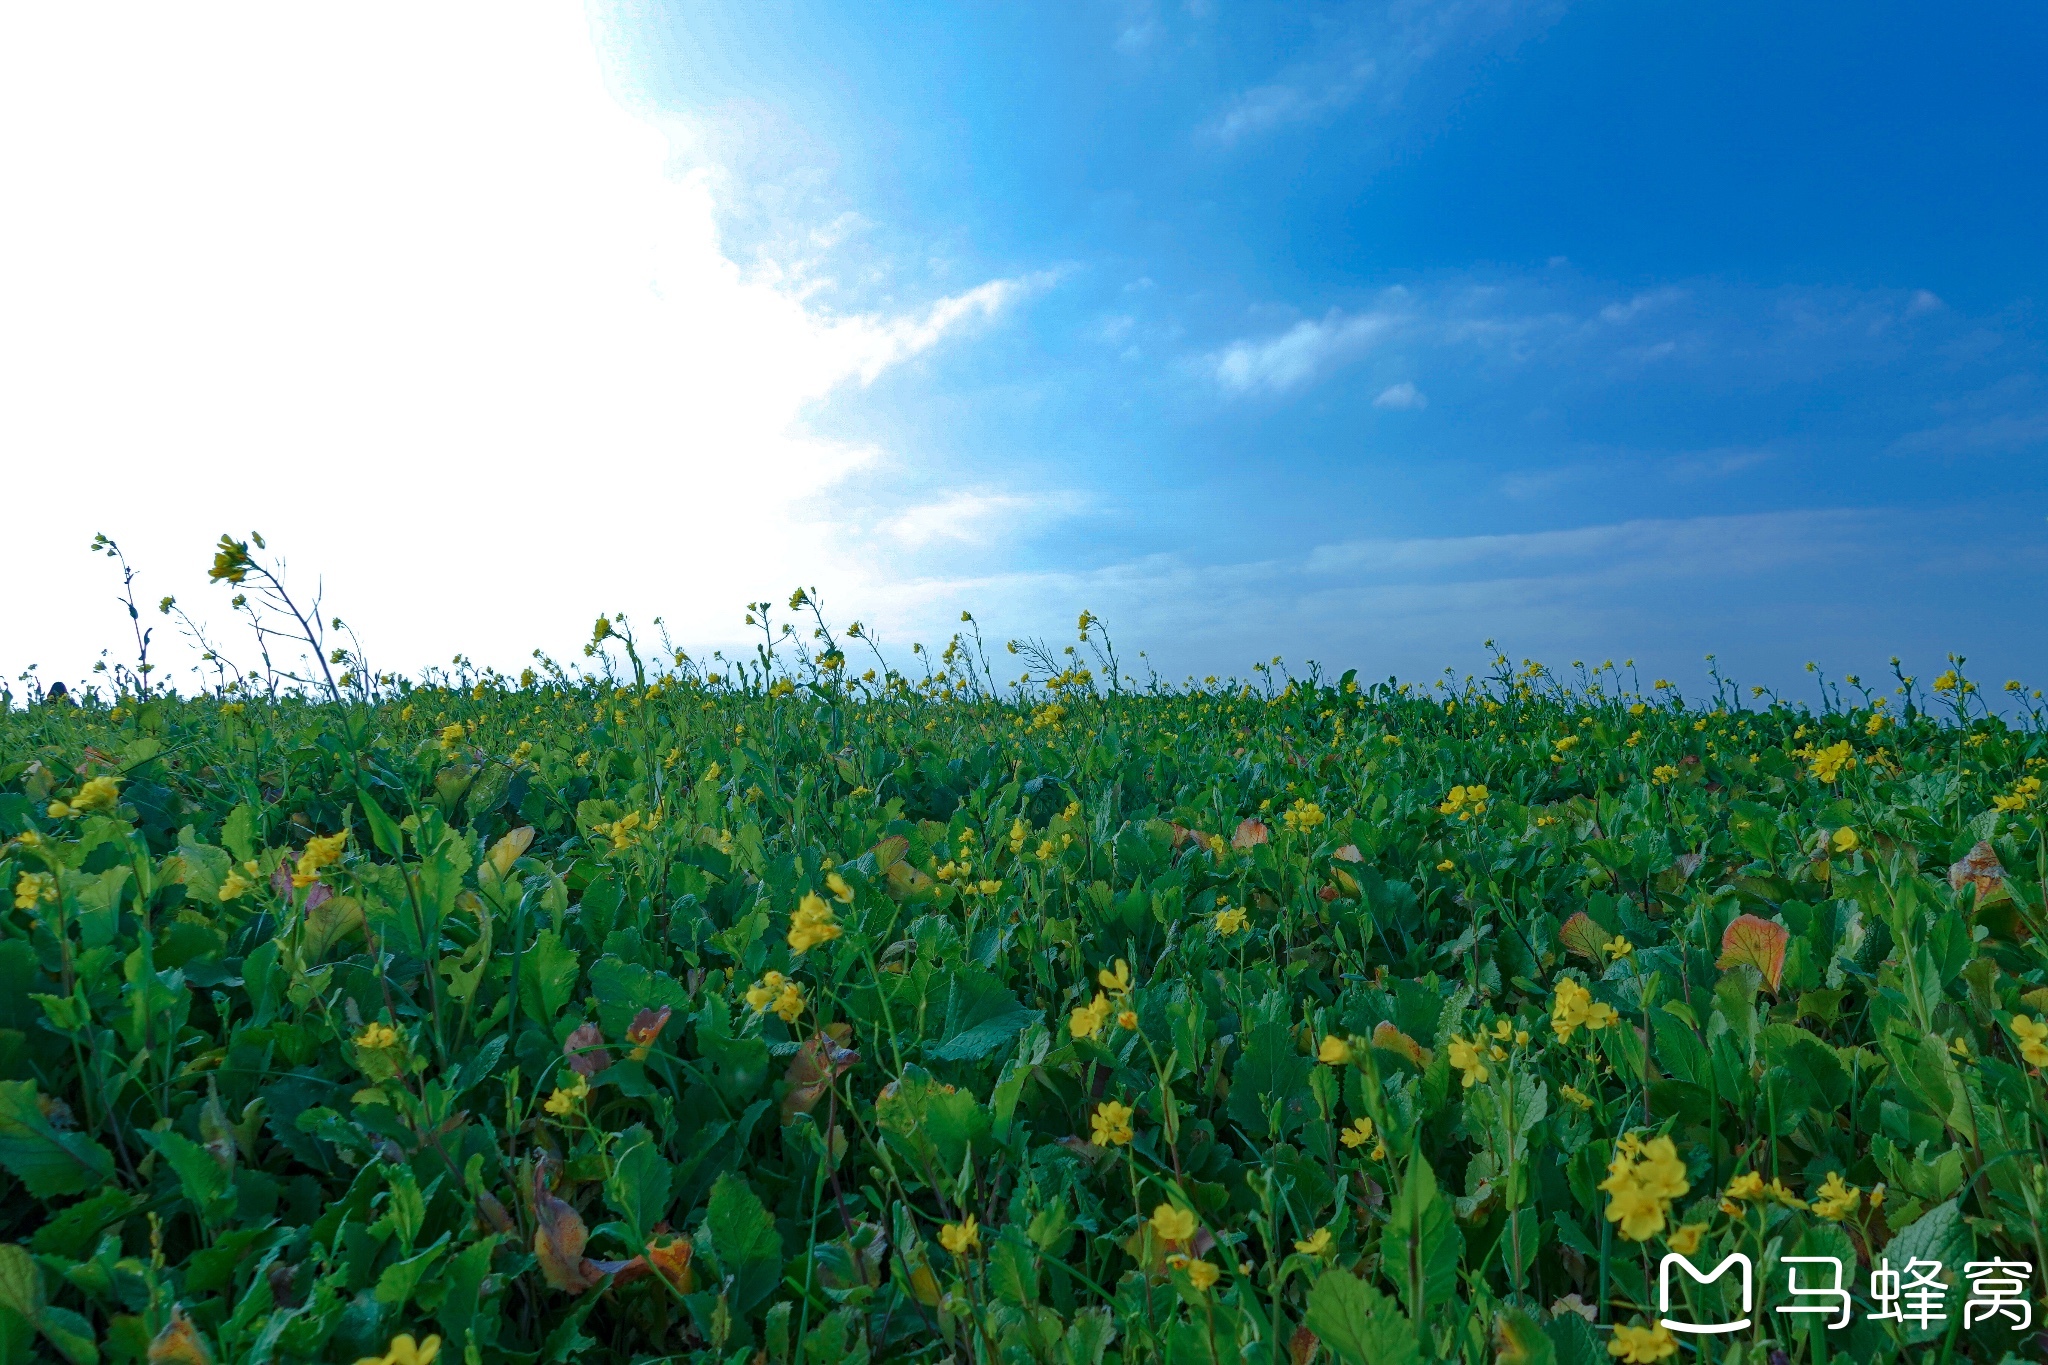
981, 1015
547, 977
46, 1160
638, 1188
744, 1239
1358, 1324
1421, 1244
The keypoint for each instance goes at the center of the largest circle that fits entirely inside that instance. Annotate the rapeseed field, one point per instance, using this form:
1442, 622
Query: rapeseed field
816, 1006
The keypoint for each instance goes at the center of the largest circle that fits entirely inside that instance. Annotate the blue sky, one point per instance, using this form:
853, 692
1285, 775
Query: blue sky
1608, 328
1355, 332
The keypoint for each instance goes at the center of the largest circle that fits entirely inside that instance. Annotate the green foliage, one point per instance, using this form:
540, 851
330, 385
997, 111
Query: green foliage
779, 1014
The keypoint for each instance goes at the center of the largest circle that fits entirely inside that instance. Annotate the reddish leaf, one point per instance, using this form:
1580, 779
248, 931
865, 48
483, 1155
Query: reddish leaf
1979, 868
812, 1069
1347, 854
1250, 833
584, 1047
1391, 1039
558, 1238
645, 1029
1758, 942
672, 1259
1585, 938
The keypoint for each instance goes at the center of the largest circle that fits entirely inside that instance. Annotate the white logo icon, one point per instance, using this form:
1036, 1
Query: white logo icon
1664, 1292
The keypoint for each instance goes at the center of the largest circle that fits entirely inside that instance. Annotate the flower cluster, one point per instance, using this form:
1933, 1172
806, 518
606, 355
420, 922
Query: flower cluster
776, 992
1573, 1008
322, 851
1464, 802
812, 924
1642, 1181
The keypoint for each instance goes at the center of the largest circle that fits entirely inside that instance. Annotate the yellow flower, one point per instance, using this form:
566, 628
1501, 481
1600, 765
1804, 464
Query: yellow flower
841, 890
102, 793
1465, 1056
34, 888
1686, 1240
1127, 1019
1334, 1051
1317, 1243
1116, 982
1641, 1345
1202, 1275
961, 1238
1659, 1171
790, 1003
1087, 1021
1303, 816
1446, 866
1573, 1008
1464, 802
1232, 921
763, 993
1174, 1224
1618, 948
566, 1097
1830, 763
1111, 1124
57, 810
1642, 1181
405, 1351
812, 924
1576, 1096
1747, 1186
321, 851
2032, 1035
1662, 774
1358, 1134
232, 886
1837, 1199
1845, 840
377, 1037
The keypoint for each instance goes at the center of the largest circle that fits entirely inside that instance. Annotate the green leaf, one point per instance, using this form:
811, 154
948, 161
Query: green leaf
744, 1239
1359, 1325
1271, 1071
547, 976
464, 1277
1940, 1234
1518, 1340
623, 989
1573, 1341
21, 1284
639, 1186
396, 1284
1422, 1242
981, 1016
204, 1180
49, 1162
238, 833
70, 1334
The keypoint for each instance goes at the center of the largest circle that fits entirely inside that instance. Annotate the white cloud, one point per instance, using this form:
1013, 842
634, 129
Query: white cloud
1291, 359
1306, 97
969, 518
406, 288
1402, 397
